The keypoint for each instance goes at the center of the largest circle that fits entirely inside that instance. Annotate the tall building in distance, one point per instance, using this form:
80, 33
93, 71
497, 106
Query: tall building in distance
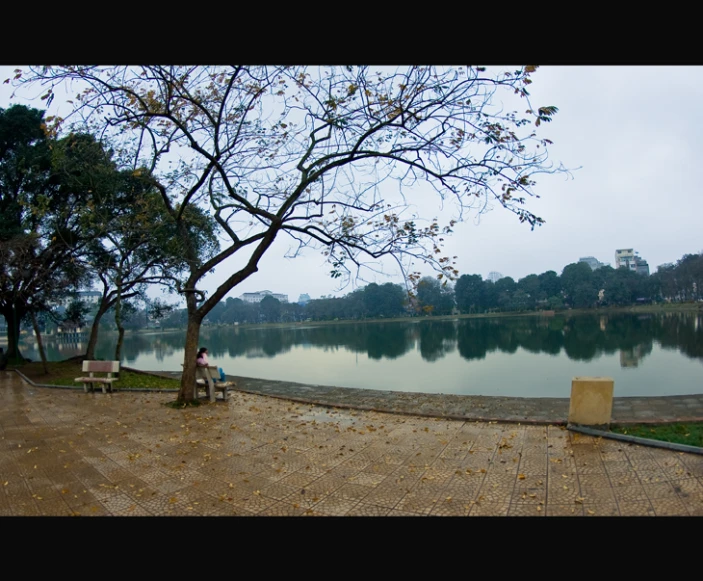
624, 257
494, 276
258, 296
304, 299
641, 266
628, 258
592, 262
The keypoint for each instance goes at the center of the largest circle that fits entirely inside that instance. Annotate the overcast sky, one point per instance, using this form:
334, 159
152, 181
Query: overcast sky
634, 134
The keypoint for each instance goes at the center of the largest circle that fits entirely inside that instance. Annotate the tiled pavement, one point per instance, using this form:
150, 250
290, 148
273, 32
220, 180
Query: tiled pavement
70, 453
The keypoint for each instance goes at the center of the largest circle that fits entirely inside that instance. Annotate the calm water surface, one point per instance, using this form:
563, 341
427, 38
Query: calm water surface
646, 355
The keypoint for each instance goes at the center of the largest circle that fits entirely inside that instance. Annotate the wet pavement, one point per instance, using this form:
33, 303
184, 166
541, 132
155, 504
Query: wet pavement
283, 449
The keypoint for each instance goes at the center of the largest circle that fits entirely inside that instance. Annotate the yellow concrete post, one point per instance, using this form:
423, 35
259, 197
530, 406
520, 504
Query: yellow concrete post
591, 401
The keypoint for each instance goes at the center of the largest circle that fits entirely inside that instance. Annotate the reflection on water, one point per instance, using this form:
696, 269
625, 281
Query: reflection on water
530, 356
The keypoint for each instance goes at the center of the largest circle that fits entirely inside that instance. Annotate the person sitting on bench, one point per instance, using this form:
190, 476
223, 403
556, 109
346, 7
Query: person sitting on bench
202, 361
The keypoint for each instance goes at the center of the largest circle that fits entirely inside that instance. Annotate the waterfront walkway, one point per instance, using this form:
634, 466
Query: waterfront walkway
539, 411
65, 452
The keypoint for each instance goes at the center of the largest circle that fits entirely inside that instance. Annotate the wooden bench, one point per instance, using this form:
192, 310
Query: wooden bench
92, 367
205, 378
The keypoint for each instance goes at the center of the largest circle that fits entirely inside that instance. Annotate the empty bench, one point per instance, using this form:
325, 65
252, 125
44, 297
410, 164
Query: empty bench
100, 367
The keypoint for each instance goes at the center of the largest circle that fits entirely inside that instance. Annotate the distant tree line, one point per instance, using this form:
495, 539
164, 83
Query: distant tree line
578, 287
581, 338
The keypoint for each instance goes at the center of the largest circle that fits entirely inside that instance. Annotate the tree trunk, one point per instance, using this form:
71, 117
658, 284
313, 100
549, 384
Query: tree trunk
187, 392
120, 341
120, 328
93, 341
13, 335
40, 344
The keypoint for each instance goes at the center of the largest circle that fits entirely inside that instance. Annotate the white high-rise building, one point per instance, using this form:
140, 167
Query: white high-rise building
625, 257
628, 258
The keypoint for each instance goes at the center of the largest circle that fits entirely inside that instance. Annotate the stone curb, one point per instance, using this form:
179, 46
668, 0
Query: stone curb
418, 413
376, 407
80, 387
313, 401
635, 439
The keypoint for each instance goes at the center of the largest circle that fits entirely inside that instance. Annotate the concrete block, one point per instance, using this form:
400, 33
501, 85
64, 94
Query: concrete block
591, 401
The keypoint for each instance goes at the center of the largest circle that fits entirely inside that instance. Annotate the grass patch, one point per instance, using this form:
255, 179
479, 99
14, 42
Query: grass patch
65, 372
690, 434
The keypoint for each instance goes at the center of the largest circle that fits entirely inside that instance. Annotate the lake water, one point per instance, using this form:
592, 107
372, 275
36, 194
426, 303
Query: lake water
646, 355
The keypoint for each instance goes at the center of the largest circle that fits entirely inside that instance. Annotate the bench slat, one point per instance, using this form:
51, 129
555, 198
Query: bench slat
101, 366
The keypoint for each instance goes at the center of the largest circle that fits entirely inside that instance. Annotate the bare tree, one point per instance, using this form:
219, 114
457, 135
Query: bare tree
333, 157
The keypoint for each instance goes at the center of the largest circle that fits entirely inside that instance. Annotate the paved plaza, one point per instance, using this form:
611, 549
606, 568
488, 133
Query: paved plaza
66, 452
